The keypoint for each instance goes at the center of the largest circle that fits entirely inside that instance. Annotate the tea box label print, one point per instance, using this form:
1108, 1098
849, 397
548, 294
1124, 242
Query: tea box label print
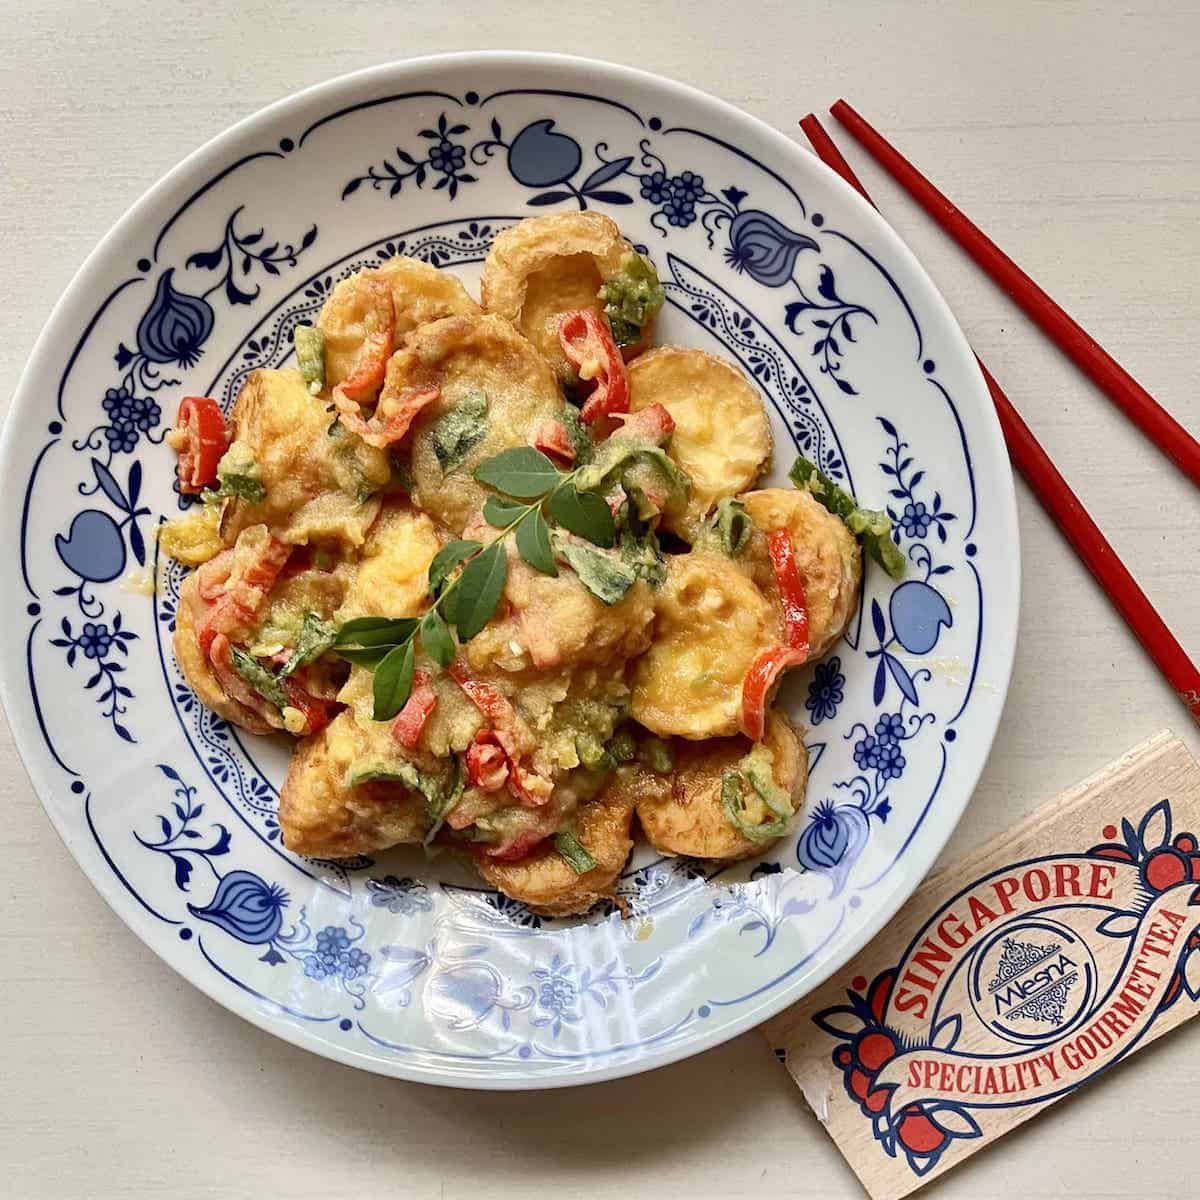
1012, 979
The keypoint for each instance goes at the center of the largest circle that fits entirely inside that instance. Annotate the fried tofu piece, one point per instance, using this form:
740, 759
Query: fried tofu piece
722, 437
683, 813
467, 359
828, 557
547, 883
319, 484
711, 622
420, 294
544, 267
323, 816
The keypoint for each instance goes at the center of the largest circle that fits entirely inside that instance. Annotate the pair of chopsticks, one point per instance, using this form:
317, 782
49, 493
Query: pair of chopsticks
1035, 465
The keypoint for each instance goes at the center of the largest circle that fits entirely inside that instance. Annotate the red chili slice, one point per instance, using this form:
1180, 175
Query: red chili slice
589, 348
552, 438
520, 847
791, 588
317, 712
233, 601
487, 764
379, 324
653, 424
760, 679
200, 437
407, 727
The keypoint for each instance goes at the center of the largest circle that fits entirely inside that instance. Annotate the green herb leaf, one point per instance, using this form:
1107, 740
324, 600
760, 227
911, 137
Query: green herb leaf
657, 755
446, 559
592, 754
575, 852
874, 528
393, 682
369, 632
436, 638
605, 575
584, 513
579, 434
244, 487
259, 678
644, 558
478, 590
622, 747
732, 525
731, 801
315, 637
502, 513
375, 772
533, 543
457, 432
310, 355
633, 296
439, 808
522, 472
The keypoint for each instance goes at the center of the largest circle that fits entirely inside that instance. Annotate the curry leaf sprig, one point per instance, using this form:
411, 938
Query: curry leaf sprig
466, 578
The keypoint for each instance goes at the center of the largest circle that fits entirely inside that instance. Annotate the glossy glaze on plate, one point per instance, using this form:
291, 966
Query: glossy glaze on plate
410, 968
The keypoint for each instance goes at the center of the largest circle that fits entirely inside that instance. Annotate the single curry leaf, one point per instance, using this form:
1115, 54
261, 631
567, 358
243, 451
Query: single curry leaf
393, 682
436, 639
522, 472
446, 559
584, 513
533, 542
478, 590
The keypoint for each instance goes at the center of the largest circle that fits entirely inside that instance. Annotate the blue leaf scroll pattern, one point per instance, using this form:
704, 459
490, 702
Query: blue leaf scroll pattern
838, 830
547, 160
93, 644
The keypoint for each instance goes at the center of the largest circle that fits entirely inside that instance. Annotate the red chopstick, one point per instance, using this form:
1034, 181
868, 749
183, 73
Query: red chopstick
1061, 503
1070, 337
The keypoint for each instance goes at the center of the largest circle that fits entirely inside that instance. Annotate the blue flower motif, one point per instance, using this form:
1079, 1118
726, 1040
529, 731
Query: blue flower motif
333, 939
95, 640
121, 437
447, 157
144, 413
539, 157
320, 966
825, 690
118, 403
246, 907
679, 212
866, 753
654, 187
915, 519
687, 186
889, 729
400, 896
764, 248
557, 995
353, 963
891, 762
175, 325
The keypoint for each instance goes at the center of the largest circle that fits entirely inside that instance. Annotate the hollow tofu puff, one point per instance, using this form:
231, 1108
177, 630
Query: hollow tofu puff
684, 813
469, 358
198, 671
827, 554
420, 294
318, 485
392, 579
322, 816
544, 267
722, 437
547, 883
711, 622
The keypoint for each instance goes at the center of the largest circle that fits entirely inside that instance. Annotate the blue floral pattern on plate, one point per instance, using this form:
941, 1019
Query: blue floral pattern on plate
410, 966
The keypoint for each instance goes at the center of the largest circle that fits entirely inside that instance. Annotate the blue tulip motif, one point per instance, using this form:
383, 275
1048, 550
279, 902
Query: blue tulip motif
175, 326
918, 613
539, 157
764, 248
833, 840
246, 907
93, 547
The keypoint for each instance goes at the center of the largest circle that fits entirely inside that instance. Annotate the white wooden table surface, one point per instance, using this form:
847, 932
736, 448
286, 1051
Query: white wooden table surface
1072, 133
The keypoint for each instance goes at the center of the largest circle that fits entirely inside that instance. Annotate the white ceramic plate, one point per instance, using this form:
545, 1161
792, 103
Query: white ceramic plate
407, 967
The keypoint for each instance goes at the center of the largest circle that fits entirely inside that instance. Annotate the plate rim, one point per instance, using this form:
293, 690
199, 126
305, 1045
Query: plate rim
245, 1006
